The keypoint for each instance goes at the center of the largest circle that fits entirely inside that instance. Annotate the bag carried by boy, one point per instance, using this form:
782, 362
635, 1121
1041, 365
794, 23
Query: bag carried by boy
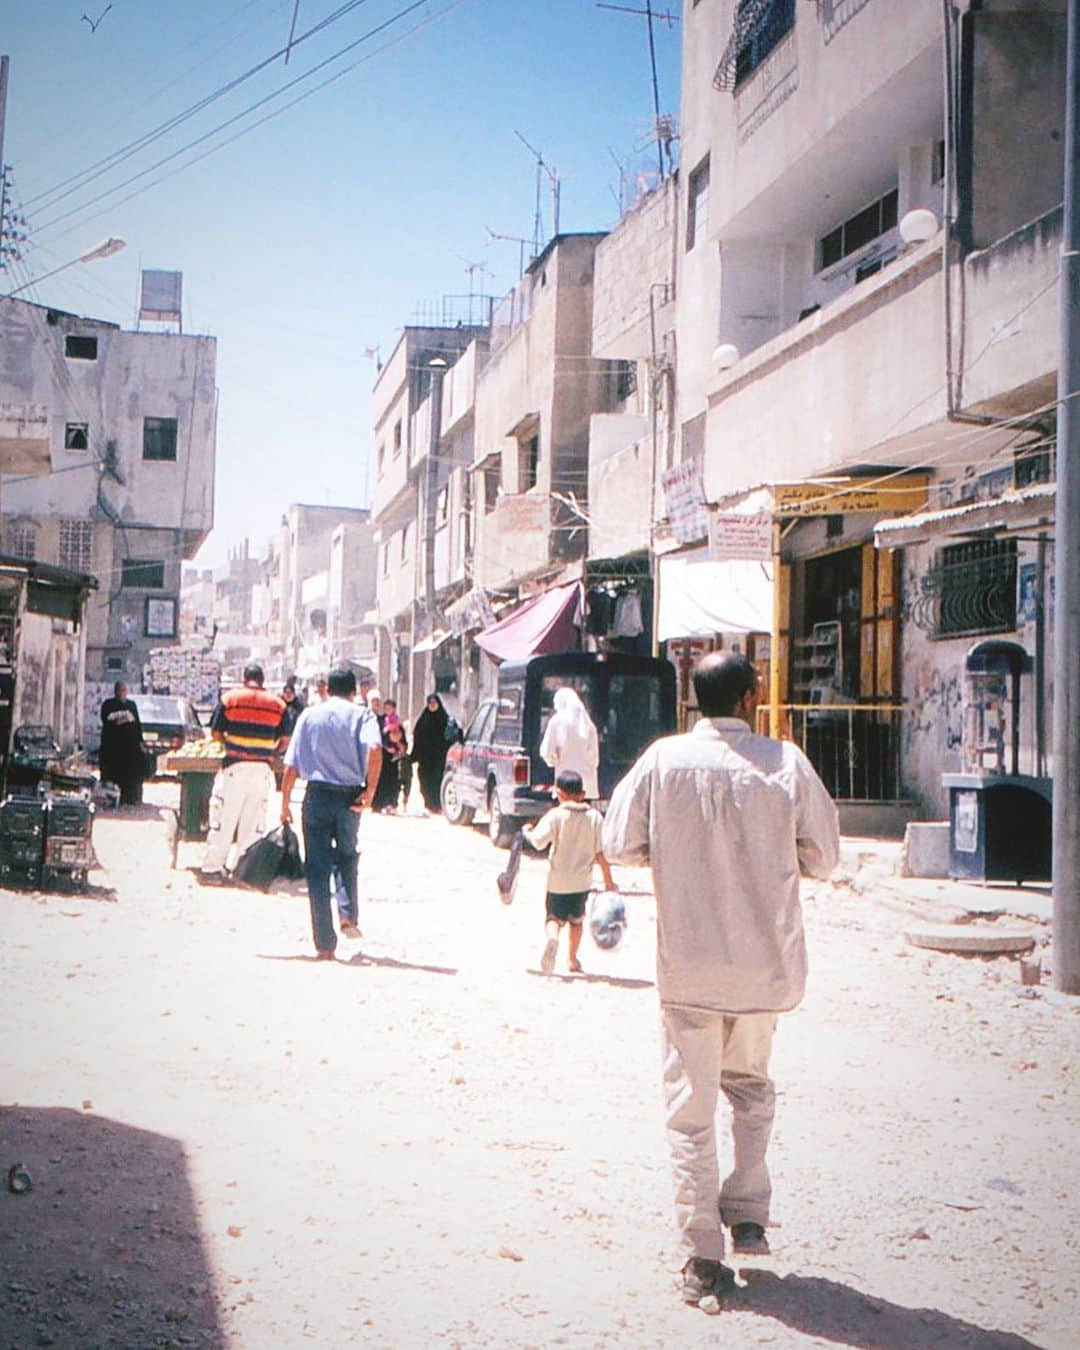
607, 919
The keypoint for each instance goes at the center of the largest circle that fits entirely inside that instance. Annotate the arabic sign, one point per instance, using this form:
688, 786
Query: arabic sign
907, 492
734, 536
685, 501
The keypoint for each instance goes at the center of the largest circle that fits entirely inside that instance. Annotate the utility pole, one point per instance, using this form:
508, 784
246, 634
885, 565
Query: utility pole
1067, 554
3, 118
438, 366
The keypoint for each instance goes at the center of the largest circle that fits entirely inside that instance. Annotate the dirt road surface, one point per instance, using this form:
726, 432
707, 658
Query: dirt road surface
429, 1143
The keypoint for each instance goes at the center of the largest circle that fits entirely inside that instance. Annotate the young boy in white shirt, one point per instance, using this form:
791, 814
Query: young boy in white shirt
573, 831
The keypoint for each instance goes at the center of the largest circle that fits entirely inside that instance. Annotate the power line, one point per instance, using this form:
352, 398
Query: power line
133, 147
373, 32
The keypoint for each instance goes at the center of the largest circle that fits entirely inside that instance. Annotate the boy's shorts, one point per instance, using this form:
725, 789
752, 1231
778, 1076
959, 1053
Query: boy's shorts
568, 908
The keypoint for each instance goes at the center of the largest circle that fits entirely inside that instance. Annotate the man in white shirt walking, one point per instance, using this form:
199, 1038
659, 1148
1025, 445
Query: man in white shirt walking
727, 819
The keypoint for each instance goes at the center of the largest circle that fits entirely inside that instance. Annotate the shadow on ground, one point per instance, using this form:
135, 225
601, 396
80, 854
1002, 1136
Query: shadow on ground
358, 959
105, 1249
590, 977
835, 1312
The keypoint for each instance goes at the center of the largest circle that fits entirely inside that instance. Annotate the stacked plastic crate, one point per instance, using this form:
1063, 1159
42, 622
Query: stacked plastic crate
69, 845
22, 842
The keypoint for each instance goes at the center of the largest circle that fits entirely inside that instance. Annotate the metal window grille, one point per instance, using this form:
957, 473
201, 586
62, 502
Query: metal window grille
20, 541
759, 27
76, 544
697, 203
970, 589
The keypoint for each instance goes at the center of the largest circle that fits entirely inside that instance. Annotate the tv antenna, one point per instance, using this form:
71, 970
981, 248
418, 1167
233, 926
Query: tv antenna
510, 239
661, 127
542, 169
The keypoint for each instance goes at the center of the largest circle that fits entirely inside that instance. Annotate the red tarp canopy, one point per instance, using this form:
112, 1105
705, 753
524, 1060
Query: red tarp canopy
541, 626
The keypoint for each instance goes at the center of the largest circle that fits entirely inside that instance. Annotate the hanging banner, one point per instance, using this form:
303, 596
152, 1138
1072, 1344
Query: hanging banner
684, 497
733, 536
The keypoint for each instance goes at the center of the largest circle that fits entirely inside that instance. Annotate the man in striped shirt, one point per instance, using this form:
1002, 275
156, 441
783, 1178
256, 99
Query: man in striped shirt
250, 723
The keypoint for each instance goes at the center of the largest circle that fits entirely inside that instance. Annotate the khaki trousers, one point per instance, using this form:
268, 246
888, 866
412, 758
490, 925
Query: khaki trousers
241, 813
704, 1054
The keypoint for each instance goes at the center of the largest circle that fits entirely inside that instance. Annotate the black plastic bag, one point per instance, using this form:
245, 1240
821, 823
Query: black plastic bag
292, 865
264, 861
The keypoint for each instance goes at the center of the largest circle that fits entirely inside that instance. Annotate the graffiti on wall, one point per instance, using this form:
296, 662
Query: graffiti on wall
936, 707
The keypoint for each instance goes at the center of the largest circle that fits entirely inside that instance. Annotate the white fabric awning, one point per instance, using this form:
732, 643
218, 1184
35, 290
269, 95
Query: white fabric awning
432, 643
699, 597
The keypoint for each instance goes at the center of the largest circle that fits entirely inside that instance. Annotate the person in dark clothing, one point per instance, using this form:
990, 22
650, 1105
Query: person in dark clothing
394, 747
429, 750
122, 753
294, 706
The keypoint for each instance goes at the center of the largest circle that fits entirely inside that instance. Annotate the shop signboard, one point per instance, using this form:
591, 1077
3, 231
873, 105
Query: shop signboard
740, 537
889, 496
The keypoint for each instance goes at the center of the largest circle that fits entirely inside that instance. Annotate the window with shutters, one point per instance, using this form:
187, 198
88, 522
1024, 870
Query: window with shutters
76, 544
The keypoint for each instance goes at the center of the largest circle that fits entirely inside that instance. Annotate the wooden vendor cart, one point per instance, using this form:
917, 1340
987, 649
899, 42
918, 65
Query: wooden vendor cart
196, 765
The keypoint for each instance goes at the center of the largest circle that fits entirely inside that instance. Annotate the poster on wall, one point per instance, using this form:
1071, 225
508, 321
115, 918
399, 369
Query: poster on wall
1027, 602
160, 617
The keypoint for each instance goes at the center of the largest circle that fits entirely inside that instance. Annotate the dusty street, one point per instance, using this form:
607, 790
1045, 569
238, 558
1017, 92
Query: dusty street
428, 1142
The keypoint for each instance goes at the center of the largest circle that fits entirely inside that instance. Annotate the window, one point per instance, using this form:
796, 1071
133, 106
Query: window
386, 558
78, 348
380, 459
863, 227
20, 541
528, 461
443, 506
159, 438
625, 380
697, 203
404, 543
974, 587
768, 22
77, 436
76, 544
937, 163
492, 484
142, 574
397, 438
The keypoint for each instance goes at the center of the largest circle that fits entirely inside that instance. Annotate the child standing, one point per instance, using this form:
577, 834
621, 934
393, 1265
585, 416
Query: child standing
573, 830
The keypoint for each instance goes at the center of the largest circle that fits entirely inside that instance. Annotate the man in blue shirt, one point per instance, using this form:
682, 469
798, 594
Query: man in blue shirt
336, 747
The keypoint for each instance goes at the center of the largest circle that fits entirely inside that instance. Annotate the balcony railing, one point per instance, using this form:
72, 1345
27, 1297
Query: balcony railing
855, 747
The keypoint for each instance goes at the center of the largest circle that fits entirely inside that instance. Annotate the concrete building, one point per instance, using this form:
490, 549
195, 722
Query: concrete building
196, 606
234, 582
127, 422
867, 310
301, 598
401, 487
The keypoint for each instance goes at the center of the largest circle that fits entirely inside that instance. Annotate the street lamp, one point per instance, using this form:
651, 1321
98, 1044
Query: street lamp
105, 249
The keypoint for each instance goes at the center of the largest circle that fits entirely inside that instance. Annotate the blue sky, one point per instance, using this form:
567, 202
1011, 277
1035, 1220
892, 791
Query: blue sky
320, 233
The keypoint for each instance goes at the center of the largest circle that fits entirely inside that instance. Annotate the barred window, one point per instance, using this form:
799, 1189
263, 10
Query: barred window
76, 544
974, 584
20, 541
77, 436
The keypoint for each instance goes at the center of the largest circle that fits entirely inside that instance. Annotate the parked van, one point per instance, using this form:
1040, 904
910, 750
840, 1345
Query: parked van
495, 768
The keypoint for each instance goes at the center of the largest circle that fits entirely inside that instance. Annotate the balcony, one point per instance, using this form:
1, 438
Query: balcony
866, 373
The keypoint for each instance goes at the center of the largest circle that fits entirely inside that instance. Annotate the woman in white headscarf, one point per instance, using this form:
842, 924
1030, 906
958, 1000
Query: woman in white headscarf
571, 742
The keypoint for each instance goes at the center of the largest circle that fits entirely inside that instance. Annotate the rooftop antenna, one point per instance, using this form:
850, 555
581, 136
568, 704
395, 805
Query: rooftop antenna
662, 133
542, 168
510, 239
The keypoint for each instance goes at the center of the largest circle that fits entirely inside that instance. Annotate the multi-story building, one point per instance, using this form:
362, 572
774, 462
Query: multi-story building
299, 597
234, 582
196, 606
866, 323
401, 487
127, 421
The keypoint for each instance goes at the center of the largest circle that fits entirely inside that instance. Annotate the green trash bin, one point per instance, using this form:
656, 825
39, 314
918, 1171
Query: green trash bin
195, 790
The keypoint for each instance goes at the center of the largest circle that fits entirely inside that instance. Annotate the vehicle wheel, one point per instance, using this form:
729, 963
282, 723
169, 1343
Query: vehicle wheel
501, 829
454, 809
